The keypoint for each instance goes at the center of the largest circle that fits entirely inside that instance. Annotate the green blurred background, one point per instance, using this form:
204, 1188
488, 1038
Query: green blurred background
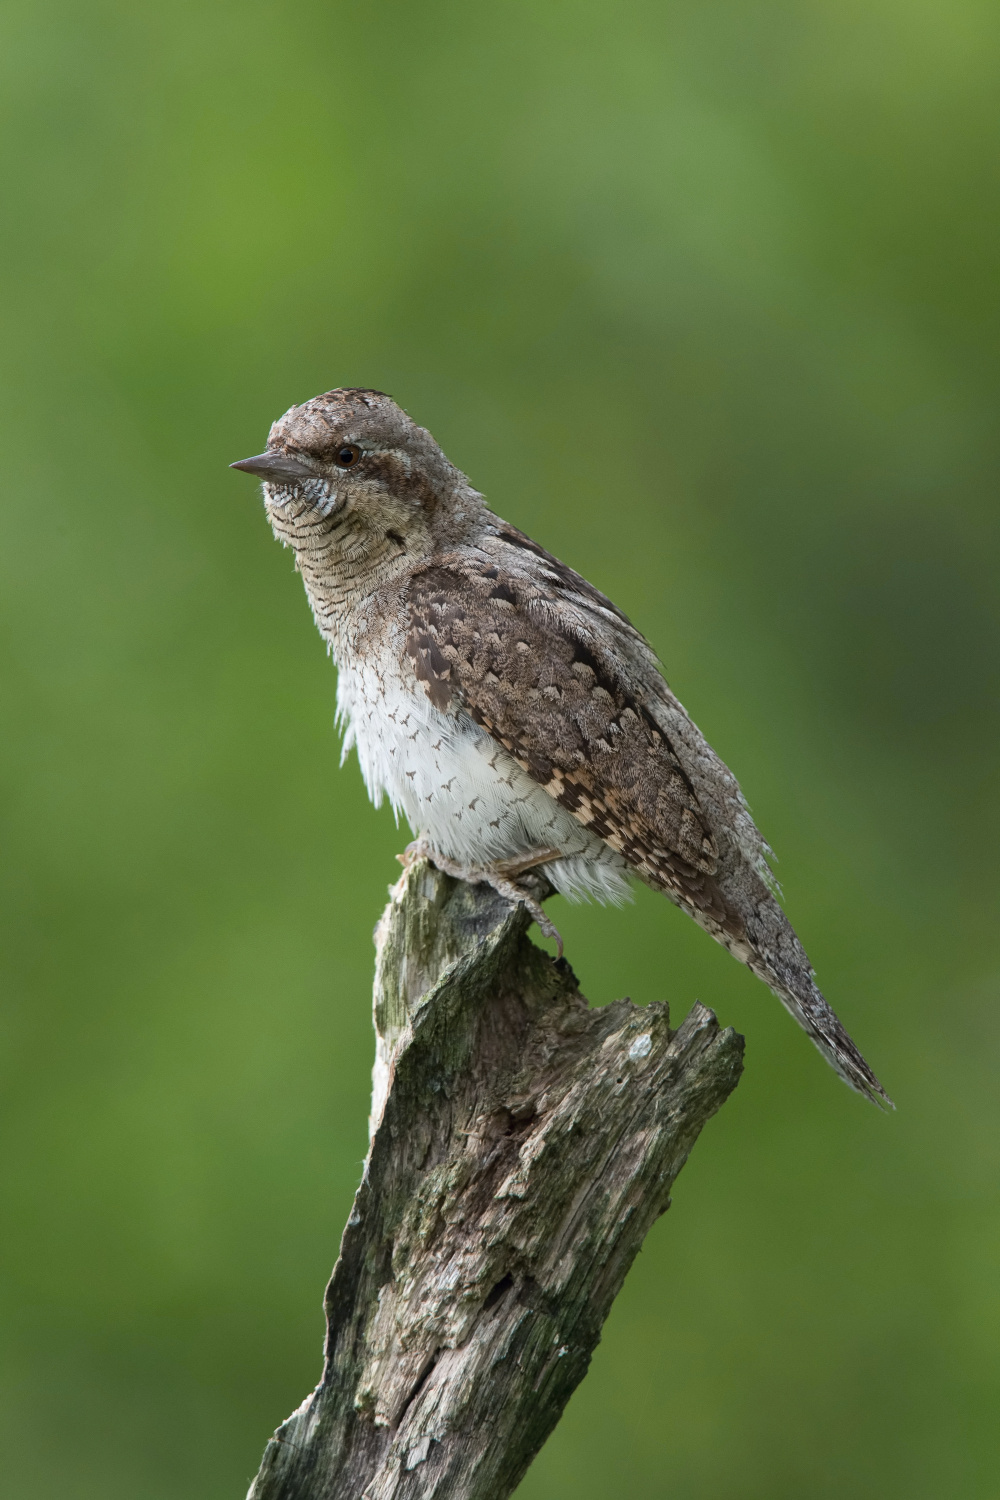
702, 294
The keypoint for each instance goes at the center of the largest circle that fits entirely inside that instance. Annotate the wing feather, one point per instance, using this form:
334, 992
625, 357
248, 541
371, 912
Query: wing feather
560, 678
518, 657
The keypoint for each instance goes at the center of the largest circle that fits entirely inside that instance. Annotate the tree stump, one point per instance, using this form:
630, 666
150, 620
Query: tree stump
521, 1146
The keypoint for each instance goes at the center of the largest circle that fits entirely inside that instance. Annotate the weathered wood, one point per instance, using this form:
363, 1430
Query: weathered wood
522, 1145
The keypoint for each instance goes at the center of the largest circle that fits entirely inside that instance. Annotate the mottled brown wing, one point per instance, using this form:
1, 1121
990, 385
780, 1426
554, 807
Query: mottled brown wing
512, 653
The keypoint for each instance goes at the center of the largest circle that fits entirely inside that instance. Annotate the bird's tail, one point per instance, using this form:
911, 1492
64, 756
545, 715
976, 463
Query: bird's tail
767, 944
806, 1003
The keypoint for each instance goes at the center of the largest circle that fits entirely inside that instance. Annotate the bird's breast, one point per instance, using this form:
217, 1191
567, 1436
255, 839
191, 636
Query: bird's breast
455, 785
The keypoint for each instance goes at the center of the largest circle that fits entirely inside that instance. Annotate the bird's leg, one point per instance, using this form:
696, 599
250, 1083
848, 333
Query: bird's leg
510, 869
502, 876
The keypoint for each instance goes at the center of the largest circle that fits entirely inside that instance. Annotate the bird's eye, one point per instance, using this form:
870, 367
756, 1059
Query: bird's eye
347, 457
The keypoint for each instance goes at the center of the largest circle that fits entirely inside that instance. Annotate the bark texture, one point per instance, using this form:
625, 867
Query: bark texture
522, 1145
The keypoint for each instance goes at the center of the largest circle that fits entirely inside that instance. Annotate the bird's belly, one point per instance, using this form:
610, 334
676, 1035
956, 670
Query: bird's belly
462, 791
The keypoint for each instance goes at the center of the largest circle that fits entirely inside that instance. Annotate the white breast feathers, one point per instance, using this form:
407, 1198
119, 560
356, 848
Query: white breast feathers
461, 790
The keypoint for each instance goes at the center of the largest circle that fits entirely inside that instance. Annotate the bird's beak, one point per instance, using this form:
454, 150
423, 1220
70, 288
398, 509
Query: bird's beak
274, 465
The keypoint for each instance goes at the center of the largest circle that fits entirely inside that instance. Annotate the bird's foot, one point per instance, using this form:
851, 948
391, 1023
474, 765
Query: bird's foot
502, 876
418, 849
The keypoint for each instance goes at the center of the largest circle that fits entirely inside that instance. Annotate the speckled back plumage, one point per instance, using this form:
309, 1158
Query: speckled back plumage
502, 702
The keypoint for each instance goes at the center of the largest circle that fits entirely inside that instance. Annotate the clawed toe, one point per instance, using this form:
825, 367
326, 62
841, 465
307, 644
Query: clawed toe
498, 876
545, 926
518, 896
418, 849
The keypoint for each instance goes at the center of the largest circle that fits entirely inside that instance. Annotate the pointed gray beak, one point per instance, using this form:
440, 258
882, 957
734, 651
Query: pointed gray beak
274, 465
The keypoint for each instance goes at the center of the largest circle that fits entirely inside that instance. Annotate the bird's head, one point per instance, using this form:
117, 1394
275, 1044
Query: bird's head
349, 471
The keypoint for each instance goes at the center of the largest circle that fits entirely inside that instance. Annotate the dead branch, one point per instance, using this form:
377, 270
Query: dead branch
522, 1145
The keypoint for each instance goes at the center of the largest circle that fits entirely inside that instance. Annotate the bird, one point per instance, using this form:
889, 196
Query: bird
506, 707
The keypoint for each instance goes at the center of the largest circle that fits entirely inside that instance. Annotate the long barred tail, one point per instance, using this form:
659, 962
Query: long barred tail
777, 957
814, 1015
743, 915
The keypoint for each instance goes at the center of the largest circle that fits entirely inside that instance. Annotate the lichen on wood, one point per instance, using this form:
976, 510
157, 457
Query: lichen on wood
522, 1145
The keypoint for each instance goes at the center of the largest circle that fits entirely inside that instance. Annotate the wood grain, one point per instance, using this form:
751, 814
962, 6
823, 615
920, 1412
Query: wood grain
522, 1146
